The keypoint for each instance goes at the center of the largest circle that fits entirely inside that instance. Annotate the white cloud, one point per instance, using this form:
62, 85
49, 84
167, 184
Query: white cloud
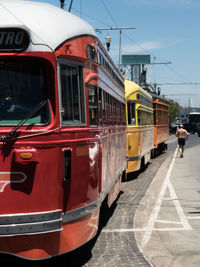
142, 47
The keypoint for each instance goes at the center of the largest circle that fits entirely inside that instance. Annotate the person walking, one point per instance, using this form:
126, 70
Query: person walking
182, 135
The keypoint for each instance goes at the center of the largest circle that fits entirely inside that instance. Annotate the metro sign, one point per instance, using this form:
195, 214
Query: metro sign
11, 177
13, 39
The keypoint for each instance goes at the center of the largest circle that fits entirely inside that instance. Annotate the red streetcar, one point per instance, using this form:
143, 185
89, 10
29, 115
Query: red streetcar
62, 130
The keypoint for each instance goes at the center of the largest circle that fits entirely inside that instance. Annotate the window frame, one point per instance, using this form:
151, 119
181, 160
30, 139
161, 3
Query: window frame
82, 107
130, 112
94, 107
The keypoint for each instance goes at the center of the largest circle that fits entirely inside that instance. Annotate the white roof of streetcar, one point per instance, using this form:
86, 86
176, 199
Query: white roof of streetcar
46, 24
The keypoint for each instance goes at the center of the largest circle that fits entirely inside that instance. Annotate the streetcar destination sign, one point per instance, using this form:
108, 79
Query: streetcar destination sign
13, 39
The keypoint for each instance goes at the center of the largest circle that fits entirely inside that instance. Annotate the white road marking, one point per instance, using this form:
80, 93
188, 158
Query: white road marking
179, 209
169, 229
153, 217
154, 214
123, 230
169, 222
142, 230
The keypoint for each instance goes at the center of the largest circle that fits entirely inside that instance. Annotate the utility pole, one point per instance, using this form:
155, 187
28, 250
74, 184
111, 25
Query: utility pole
70, 5
120, 37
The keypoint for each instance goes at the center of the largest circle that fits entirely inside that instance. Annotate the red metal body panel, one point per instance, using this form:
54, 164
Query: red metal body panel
161, 134
84, 185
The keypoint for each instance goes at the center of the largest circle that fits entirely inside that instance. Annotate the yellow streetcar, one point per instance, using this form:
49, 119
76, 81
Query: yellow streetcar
139, 116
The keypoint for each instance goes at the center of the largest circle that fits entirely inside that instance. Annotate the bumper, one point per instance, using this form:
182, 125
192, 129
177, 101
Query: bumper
30, 223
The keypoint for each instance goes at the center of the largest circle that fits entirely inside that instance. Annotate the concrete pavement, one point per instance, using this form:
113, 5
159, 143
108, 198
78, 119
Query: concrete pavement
167, 221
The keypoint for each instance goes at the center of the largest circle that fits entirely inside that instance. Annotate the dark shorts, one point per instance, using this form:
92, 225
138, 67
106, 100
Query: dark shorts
181, 141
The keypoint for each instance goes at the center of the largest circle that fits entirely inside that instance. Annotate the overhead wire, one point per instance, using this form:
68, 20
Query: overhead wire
139, 45
92, 18
125, 35
109, 13
178, 74
150, 53
166, 65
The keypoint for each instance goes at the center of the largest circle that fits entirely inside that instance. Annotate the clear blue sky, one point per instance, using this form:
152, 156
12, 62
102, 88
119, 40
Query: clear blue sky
168, 30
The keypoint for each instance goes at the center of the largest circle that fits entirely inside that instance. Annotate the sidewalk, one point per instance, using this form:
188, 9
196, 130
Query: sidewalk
167, 221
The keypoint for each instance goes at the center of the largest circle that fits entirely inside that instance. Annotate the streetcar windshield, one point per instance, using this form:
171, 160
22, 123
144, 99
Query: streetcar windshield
22, 88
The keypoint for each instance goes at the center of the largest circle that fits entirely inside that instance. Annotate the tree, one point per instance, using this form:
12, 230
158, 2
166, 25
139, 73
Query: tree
173, 110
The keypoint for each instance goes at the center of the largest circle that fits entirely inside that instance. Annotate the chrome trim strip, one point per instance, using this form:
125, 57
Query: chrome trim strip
86, 210
134, 158
140, 156
30, 223
31, 228
29, 217
81, 212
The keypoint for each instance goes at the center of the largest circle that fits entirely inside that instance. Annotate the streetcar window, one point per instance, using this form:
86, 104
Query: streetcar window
154, 114
72, 94
123, 114
22, 88
139, 117
107, 109
91, 53
104, 108
100, 107
118, 113
99, 59
110, 110
131, 113
93, 111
